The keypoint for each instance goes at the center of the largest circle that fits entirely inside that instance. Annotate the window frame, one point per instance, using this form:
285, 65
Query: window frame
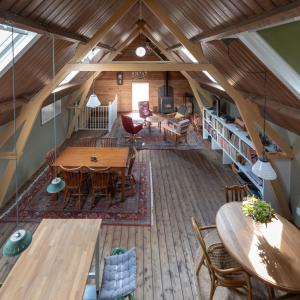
50, 114
33, 37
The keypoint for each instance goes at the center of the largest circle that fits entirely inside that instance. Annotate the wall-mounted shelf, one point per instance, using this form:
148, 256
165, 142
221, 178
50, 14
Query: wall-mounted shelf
237, 148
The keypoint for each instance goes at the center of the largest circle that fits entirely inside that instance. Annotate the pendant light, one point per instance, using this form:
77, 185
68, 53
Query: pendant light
57, 184
93, 101
21, 238
262, 167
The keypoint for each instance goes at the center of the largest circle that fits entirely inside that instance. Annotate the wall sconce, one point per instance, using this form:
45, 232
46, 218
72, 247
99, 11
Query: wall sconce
119, 78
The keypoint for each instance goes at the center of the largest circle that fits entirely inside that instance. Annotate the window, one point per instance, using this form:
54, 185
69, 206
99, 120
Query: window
88, 58
140, 92
47, 112
22, 41
209, 76
69, 77
189, 55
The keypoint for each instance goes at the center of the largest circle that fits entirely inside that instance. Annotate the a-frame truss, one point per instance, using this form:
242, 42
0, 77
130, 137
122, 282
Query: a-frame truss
31, 110
248, 110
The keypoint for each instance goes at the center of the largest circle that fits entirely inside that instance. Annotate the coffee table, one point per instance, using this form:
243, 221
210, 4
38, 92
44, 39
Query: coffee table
154, 119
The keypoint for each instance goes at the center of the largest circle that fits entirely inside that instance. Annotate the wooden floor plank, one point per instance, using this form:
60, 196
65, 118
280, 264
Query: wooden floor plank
186, 183
148, 284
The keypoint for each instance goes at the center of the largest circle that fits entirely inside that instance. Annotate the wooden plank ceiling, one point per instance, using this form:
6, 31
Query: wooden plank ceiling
195, 17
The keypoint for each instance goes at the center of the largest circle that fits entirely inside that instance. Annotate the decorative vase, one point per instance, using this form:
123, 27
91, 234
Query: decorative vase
258, 227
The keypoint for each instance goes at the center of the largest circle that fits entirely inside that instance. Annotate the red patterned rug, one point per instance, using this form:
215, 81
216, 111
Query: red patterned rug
36, 204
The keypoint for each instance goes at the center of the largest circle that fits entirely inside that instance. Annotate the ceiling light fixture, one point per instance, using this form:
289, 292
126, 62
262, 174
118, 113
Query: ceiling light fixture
140, 51
93, 101
57, 184
21, 238
263, 168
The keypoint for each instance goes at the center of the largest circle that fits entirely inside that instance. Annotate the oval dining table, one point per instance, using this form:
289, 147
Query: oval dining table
270, 253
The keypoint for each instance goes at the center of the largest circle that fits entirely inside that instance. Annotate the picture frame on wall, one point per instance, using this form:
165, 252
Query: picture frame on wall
119, 78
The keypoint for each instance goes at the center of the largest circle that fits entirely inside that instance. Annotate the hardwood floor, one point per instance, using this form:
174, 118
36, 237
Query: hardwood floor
185, 183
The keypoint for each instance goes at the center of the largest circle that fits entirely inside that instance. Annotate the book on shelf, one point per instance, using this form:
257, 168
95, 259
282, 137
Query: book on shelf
248, 152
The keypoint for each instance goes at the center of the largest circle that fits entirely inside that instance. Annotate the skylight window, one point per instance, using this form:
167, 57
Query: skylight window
88, 58
69, 77
22, 39
189, 55
210, 76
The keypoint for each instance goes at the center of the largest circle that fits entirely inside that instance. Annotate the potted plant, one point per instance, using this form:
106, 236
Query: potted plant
259, 210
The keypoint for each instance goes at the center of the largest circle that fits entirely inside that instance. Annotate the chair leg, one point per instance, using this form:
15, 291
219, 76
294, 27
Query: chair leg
93, 199
66, 197
79, 199
200, 265
249, 287
212, 289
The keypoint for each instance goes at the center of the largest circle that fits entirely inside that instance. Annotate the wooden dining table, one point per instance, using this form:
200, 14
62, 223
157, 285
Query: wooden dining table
57, 263
270, 253
113, 157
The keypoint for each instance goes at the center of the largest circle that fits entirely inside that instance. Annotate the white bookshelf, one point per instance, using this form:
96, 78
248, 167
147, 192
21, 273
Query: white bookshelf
237, 148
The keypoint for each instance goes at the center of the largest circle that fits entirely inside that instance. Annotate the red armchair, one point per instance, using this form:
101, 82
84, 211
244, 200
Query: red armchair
144, 110
132, 129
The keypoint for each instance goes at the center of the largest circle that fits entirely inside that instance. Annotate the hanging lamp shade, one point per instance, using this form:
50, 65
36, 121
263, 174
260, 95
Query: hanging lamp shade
56, 185
17, 243
93, 101
263, 169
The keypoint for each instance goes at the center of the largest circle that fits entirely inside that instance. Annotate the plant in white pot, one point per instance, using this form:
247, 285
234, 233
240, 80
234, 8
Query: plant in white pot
259, 210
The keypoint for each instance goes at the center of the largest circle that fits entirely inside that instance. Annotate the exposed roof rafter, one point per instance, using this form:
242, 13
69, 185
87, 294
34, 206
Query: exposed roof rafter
10, 18
282, 14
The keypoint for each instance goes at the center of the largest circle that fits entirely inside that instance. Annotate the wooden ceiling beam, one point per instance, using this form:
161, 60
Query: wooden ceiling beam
106, 47
164, 18
282, 14
31, 110
10, 18
195, 87
85, 88
137, 66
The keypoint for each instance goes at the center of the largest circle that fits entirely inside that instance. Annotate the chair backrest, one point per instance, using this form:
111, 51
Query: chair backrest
100, 177
127, 123
182, 109
183, 126
200, 238
87, 142
144, 109
50, 157
235, 192
107, 142
71, 176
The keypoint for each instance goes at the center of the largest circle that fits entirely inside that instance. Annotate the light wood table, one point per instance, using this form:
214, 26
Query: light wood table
154, 119
270, 253
56, 265
114, 157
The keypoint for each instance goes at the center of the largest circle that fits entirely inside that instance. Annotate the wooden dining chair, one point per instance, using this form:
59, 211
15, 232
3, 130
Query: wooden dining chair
87, 142
101, 181
50, 159
107, 142
236, 192
74, 179
223, 269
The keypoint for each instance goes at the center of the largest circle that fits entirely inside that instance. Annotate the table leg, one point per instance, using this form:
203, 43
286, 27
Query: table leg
123, 185
159, 126
149, 126
97, 264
